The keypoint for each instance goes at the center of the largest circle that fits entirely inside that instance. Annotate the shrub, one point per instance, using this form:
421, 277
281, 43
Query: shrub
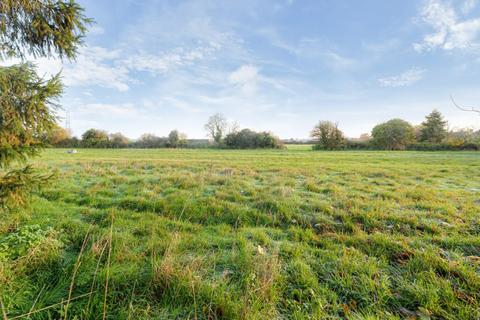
249, 139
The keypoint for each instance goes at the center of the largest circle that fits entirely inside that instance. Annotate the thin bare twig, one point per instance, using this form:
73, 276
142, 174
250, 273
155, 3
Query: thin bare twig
472, 109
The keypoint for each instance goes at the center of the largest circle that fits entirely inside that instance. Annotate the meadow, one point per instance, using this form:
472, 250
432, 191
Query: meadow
275, 234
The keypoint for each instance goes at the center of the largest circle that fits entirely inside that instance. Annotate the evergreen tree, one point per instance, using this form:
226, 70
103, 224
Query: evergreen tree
38, 28
434, 128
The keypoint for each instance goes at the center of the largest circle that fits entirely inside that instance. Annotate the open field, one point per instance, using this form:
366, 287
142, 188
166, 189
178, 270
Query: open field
207, 234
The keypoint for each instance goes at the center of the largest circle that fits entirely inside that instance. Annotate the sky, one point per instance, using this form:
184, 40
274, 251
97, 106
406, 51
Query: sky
151, 66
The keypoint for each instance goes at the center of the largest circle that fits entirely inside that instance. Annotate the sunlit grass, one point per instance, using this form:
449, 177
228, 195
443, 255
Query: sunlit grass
214, 234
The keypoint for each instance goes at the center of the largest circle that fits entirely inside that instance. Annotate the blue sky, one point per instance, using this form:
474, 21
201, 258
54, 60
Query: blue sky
278, 65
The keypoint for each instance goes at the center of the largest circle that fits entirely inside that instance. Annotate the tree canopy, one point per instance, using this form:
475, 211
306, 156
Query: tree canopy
216, 127
328, 136
395, 134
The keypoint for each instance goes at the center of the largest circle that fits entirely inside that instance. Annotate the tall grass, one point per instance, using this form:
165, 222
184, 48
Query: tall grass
212, 234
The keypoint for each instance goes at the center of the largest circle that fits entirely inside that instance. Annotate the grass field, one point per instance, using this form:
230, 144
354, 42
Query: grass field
207, 234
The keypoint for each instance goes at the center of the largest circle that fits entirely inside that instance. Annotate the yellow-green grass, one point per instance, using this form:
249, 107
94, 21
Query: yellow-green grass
299, 147
215, 234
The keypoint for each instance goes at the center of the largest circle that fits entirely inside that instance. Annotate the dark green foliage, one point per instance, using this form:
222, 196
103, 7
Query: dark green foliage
249, 139
444, 146
327, 136
434, 128
18, 243
94, 138
395, 134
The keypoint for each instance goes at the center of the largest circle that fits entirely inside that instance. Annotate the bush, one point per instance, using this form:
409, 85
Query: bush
444, 146
358, 145
249, 139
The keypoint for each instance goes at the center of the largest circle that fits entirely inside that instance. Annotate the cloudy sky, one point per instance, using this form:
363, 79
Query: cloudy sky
278, 65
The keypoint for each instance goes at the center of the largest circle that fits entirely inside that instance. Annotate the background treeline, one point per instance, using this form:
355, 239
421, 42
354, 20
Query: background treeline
222, 134
396, 134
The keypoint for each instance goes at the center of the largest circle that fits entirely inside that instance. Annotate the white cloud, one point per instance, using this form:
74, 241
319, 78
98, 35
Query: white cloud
164, 62
123, 110
244, 74
403, 80
94, 67
246, 78
468, 6
450, 31
98, 66
96, 30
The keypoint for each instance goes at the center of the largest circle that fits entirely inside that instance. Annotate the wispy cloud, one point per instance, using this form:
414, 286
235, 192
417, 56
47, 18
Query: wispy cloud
469, 5
163, 62
450, 30
405, 79
246, 78
96, 66
120, 110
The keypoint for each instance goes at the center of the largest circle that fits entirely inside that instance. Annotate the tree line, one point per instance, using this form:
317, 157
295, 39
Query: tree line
397, 134
221, 133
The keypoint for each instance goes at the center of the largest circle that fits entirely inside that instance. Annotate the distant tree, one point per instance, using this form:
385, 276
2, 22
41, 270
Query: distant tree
216, 127
249, 139
173, 138
40, 28
94, 138
118, 140
434, 128
364, 137
328, 136
463, 136
58, 136
395, 134
149, 140
176, 139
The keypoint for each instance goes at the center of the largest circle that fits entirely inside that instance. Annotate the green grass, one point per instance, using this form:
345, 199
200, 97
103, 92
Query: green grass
299, 147
214, 234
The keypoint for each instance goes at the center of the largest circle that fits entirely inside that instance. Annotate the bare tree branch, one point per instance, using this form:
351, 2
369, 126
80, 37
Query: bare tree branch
472, 109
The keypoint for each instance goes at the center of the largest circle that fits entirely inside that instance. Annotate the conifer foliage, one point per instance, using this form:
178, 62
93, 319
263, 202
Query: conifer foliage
28, 102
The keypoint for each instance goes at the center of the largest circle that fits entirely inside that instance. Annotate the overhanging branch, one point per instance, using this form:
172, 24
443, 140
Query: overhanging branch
472, 109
